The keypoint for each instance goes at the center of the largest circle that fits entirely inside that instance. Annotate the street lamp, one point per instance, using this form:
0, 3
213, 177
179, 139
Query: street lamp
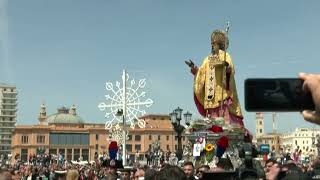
124, 131
187, 117
175, 117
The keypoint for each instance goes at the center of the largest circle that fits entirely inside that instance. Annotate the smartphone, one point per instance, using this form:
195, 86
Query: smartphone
276, 95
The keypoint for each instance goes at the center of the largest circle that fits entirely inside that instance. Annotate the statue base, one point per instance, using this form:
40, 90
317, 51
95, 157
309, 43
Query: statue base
202, 128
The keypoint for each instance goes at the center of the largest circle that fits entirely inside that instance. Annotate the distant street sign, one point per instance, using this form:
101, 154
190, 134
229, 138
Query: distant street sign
264, 148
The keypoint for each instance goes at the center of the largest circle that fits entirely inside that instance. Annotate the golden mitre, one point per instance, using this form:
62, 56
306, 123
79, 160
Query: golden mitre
221, 37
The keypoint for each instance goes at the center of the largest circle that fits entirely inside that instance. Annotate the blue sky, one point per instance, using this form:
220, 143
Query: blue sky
62, 51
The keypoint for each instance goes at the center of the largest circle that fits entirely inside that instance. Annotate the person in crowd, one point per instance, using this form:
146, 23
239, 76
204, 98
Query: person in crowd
110, 177
148, 156
169, 172
125, 174
188, 169
201, 170
72, 174
273, 153
268, 165
314, 171
17, 175
5, 174
112, 166
136, 156
27, 173
91, 175
288, 171
273, 172
132, 173
140, 172
60, 175
150, 174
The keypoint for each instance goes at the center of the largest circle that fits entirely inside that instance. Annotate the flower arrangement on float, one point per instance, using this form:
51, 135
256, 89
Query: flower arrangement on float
206, 151
212, 137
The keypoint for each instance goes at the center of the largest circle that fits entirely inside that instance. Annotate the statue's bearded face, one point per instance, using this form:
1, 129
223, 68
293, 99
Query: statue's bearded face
215, 47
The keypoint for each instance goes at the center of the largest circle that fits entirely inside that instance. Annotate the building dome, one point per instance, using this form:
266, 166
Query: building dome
64, 117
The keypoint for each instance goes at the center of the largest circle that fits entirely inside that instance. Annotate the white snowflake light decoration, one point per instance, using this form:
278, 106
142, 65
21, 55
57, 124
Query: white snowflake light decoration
128, 98
116, 134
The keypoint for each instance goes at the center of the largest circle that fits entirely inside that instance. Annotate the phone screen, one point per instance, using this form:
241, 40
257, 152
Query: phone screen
284, 94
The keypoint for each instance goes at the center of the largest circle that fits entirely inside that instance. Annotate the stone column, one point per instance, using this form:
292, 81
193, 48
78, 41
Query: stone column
72, 156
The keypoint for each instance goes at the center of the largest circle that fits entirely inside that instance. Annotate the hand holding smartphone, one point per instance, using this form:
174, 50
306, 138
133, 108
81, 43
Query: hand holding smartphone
312, 85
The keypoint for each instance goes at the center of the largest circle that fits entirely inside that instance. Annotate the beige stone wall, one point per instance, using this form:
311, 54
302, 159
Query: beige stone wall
31, 132
98, 141
157, 125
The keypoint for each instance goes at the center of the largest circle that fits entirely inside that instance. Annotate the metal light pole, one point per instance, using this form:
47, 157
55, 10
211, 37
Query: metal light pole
122, 112
175, 117
124, 108
124, 135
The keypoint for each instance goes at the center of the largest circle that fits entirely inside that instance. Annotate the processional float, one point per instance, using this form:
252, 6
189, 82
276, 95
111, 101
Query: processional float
220, 133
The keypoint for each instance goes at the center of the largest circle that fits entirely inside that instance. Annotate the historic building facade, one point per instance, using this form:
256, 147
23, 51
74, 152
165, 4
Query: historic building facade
68, 134
305, 139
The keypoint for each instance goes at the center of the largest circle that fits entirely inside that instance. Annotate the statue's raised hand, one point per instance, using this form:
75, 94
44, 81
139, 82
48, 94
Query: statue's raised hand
193, 68
190, 63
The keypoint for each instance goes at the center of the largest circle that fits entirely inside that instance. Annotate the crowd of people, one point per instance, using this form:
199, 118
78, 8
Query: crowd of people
42, 168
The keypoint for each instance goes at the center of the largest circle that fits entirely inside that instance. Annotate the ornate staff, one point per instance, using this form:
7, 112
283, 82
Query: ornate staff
224, 83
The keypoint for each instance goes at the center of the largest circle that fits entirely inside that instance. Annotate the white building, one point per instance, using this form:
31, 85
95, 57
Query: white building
8, 116
302, 138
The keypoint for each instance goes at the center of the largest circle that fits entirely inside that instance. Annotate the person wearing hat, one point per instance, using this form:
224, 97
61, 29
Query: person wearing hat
214, 83
60, 174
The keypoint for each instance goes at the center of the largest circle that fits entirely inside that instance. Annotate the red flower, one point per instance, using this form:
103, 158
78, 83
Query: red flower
223, 141
215, 129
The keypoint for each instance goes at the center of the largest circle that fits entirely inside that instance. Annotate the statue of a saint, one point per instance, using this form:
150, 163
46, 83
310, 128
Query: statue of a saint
173, 160
215, 92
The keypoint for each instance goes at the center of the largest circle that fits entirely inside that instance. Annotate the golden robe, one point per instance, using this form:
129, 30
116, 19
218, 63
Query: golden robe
208, 88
